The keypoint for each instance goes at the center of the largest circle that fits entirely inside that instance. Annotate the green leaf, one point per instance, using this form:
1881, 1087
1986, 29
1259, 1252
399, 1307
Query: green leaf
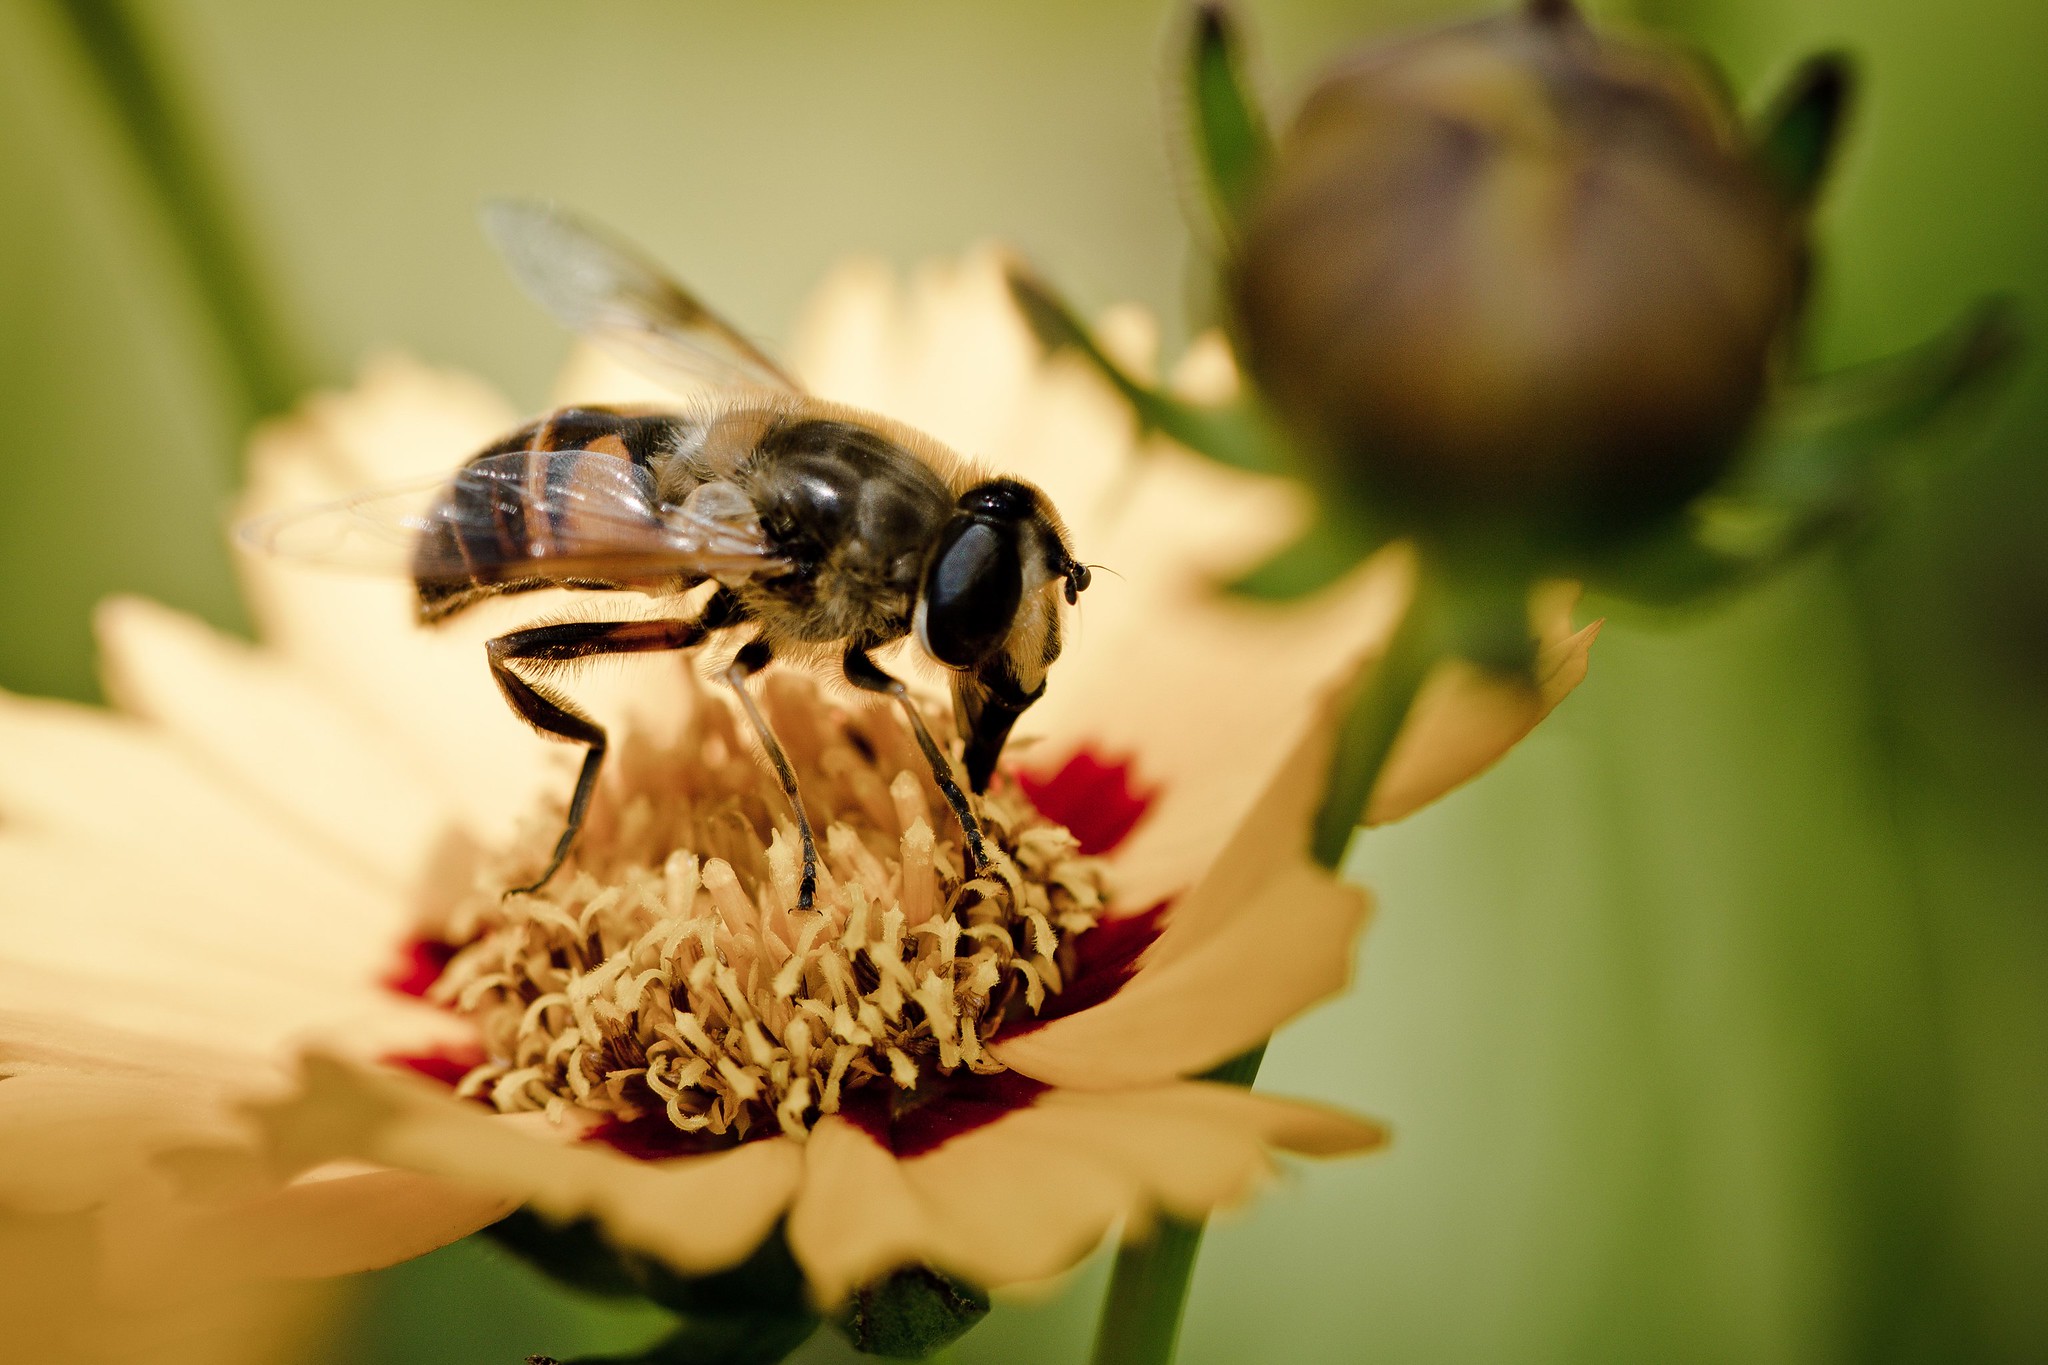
1330, 548
912, 1314
1797, 139
1238, 435
1231, 145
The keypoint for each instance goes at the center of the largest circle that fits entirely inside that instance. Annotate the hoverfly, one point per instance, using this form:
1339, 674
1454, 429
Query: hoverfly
828, 531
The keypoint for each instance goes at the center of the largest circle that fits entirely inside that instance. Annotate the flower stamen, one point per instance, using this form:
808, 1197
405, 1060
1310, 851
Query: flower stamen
668, 971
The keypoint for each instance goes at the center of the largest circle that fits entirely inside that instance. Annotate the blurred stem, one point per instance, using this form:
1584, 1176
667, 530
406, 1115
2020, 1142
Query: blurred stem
1148, 1289
1148, 1292
269, 369
1365, 740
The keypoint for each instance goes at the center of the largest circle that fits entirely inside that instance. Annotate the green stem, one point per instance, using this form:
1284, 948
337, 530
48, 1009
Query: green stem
1366, 738
269, 369
1148, 1289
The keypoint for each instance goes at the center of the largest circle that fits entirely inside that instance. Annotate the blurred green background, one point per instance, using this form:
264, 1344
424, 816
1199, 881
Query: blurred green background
1714, 1023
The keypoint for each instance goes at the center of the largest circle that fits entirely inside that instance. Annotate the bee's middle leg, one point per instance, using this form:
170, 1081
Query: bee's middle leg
864, 673
558, 717
754, 656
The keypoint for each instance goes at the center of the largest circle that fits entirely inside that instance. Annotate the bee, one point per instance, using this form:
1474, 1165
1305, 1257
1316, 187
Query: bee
828, 532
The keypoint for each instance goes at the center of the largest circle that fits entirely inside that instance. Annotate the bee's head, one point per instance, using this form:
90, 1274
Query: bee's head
989, 609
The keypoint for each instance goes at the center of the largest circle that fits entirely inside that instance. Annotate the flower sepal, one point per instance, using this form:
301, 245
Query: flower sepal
911, 1315
755, 1312
1236, 434
1797, 140
1334, 544
1227, 129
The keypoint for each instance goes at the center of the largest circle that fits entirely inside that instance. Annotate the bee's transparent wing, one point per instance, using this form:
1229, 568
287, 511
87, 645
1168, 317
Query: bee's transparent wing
373, 532
605, 290
558, 514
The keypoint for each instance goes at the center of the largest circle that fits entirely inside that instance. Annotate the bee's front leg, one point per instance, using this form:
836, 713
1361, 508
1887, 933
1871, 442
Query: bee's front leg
542, 647
864, 673
754, 656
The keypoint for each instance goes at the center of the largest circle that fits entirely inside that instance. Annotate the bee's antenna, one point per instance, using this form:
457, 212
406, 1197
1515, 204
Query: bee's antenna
1077, 576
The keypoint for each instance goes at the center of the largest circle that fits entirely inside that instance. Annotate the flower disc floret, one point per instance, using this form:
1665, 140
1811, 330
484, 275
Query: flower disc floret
668, 973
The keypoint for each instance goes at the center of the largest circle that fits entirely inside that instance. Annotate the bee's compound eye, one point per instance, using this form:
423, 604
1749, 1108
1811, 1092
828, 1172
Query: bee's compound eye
971, 592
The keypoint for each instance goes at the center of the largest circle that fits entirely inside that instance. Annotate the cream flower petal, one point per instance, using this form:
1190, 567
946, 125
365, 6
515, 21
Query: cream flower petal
86, 772
51, 1267
54, 1121
1026, 1196
88, 1114
337, 1221
698, 1213
1183, 1149
84, 1126
855, 1216
1264, 914
949, 354
430, 690
399, 420
1464, 720
262, 1019
266, 726
55, 1310
1149, 685
1264, 935
175, 955
1288, 949
1216, 1109
294, 937
1006, 1204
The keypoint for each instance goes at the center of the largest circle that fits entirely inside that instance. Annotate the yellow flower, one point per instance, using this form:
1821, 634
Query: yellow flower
213, 892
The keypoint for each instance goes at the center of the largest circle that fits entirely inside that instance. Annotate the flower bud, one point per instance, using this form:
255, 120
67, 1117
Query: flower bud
1515, 270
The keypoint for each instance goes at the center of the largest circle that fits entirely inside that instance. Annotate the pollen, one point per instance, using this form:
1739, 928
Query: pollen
667, 971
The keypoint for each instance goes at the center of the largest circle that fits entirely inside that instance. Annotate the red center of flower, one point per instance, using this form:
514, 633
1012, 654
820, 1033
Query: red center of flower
1107, 957
651, 1137
1093, 795
447, 1065
420, 964
949, 1107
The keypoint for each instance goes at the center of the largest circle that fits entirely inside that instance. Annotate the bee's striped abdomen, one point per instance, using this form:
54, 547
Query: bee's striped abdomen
493, 536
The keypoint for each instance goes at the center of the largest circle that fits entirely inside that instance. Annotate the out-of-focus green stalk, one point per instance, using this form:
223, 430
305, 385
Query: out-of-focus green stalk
267, 362
1148, 1289
1148, 1293
1373, 722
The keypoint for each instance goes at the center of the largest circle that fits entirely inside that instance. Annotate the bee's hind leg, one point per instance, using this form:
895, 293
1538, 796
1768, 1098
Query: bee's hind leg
556, 716
752, 658
864, 673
